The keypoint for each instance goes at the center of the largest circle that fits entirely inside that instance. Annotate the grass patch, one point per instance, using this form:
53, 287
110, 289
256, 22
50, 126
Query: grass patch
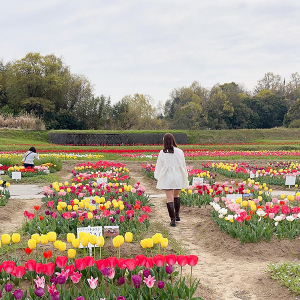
287, 274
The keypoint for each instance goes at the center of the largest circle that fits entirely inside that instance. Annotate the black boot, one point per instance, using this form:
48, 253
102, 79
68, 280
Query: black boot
177, 208
171, 211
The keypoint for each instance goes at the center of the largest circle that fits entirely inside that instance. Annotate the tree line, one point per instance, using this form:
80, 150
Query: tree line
45, 86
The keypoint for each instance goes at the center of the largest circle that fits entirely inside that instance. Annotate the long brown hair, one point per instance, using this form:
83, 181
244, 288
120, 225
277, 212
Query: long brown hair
169, 143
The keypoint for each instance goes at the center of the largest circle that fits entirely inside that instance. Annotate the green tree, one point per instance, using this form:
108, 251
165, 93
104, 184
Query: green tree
271, 82
292, 116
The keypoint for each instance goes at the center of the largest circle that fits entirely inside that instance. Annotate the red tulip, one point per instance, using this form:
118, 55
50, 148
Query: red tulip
112, 262
80, 264
61, 261
140, 260
101, 264
8, 266
192, 260
159, 260
70, 270
181, 260
148, 263
47, 254
19, 271
30, 265
48, 269
89, 261
121, 263
130, 264
39, 268
171, 259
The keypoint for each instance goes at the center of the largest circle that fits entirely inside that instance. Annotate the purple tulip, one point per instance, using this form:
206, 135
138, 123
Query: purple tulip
61, 279
18, 294
47, 212
169, 269
8, 287
146, 273
105, 271
54, 296
161, 284
121, 298
53, 279
121, 280
136, 280
39, 292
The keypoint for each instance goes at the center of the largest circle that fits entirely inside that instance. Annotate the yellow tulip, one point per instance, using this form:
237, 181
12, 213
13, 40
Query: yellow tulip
149, 243
57, 244
59, 208
238, 200
84, 241
128, 237
36, 237
116, 242
157, 238
31, 244
121, 206
70, 237
164, 242
70, 207
81, 204
71, 253
291, 197
100, 241
15, 238
76, 201
62, 247
282, 196
253, 207
90, 215
5, 239
76, 243
44, 239
7, 184
244, 203
51, 236
93, 239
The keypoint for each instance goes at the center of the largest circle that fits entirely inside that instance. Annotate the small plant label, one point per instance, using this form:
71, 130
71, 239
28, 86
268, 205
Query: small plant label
1, 172
198, 180
95, 230
290, 180
16, 175
101, 180
111, 230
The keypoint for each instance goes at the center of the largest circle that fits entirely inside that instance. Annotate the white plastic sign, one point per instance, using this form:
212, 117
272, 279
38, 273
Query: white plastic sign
290, 180
101, 180
198, 180
252, 175
233, 196
1, 172
96, 230
16, 175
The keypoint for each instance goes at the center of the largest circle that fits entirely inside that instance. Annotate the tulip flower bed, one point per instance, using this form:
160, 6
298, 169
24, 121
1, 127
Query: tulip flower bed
198, 195
251, 221
149, 169
114, 172
4, 192
29, 172
274, 174
287, 274
62, 276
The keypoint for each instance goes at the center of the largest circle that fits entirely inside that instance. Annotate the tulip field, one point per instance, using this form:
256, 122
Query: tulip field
49, 257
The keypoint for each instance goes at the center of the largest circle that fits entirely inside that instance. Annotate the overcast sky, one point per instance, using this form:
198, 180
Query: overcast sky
151, 47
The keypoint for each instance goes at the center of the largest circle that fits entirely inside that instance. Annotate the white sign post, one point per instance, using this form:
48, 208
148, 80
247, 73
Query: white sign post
101, 180
290, 180
16, 175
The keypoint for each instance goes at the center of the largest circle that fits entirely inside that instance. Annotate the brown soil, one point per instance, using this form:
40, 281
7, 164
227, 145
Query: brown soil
226, 269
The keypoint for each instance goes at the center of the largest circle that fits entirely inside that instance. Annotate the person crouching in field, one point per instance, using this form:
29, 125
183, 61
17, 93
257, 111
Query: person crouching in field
29, 157
171, 175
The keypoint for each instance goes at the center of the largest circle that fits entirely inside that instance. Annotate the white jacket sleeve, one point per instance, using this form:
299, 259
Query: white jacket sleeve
158, 166
184, 165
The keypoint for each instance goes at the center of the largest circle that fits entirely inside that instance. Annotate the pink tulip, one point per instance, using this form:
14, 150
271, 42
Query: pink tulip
149, 281
93, 282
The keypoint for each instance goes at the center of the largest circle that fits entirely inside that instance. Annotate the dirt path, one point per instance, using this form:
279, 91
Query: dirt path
227, 270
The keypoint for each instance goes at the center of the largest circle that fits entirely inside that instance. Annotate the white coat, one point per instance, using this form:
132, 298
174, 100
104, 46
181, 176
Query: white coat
170, 171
